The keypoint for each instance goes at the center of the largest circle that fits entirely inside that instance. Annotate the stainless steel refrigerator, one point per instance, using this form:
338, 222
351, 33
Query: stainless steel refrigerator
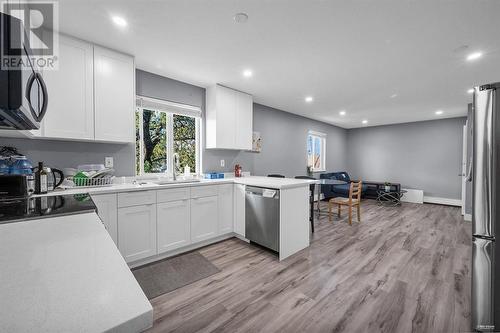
485, 177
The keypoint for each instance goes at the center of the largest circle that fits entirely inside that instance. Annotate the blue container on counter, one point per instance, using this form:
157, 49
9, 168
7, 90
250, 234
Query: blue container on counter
214, 175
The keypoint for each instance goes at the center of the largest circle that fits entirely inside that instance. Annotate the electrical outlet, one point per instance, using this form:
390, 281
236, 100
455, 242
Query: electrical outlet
222, 163
108, 162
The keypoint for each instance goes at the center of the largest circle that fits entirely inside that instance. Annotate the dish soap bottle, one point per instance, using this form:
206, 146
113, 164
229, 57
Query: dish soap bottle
40, 179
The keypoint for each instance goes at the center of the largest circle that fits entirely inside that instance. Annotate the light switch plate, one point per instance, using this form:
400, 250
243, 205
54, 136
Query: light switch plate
108, 162
222, 163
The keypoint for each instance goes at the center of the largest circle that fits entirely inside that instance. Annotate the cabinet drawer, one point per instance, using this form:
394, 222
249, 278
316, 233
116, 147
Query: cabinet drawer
173, 194
203, 191
136, 198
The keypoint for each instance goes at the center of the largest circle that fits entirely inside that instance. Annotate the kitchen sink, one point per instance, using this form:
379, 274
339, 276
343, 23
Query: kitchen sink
178, 181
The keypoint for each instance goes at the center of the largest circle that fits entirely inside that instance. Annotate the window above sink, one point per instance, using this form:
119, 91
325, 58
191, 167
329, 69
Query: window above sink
162, 130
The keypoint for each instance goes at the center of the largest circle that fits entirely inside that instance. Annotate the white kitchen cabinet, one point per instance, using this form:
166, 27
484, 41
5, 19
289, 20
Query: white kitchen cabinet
173, 225
107, 210
229, 118
225, 204
204, 218
136, 198
239, 209
244, 121
137, 232
70, 113
114, 96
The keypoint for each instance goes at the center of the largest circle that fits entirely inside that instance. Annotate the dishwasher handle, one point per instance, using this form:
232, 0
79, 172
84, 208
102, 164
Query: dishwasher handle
267, 193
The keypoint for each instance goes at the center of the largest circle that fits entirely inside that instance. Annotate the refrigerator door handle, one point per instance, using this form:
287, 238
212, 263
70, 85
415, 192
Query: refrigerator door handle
484, 152
482, 285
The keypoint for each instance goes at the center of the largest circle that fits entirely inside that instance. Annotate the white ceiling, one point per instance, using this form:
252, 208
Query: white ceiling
349, 55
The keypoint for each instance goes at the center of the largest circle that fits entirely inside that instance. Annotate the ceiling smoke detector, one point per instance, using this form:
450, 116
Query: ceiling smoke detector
240, 18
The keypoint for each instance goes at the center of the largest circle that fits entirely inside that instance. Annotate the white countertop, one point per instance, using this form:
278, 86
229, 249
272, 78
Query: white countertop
65, 274
269, 182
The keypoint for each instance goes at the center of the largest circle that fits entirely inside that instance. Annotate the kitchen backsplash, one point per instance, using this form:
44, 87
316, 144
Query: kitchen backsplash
66, 154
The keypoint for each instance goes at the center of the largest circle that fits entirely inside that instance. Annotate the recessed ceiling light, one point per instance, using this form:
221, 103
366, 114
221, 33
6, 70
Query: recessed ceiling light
393, 96
474, 56
439, 112
364, 122
342, 113
309, 99
470, 91
240, 18
119, 21
247, 73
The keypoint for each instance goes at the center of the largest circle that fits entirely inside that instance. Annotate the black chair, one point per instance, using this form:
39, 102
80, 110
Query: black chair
275, 175
311, 199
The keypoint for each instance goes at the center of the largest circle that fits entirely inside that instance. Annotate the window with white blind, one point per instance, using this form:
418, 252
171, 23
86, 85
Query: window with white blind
316, 151
163, 129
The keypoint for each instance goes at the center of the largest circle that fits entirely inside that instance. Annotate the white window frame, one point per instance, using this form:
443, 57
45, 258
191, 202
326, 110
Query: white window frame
322, 137
170, 109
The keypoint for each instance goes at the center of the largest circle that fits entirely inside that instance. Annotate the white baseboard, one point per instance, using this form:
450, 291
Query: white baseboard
175, 252
443, 201
468, 217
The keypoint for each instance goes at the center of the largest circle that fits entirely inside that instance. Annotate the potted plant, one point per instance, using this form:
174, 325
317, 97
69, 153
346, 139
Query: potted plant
387, 187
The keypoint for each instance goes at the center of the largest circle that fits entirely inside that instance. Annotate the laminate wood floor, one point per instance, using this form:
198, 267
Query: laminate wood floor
402, 269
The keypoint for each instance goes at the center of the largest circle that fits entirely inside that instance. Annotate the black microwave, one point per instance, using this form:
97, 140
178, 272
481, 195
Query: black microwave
23, 93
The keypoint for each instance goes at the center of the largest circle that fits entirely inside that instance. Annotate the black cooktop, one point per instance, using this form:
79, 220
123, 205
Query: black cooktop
20, 209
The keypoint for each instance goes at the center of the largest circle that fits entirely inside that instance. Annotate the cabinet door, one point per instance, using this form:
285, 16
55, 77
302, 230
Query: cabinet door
114, 95
239, 209
107, 211
173, 225
70, 112
203, 218
244, 121
226, 117
137, 232
225, 208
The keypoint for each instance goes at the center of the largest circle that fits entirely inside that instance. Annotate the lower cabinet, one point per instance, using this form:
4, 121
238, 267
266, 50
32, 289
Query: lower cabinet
239, 209
204, 218
107, 211
173, 225
225, 203
137, 232
147, 223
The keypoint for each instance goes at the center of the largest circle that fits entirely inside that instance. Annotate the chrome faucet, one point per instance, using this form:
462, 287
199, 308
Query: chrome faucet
176, 165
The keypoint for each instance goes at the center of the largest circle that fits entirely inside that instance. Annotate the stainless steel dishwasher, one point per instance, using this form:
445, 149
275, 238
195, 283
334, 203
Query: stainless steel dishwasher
262, 216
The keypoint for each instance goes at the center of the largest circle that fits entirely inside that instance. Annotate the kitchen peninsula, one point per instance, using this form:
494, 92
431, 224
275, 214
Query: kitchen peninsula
151, 219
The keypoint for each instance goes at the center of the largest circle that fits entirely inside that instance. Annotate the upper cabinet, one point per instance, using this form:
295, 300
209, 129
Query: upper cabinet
71, 93
91, 95
114, 83
229, 118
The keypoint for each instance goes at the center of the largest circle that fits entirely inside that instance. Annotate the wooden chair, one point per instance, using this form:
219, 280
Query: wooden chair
354, 199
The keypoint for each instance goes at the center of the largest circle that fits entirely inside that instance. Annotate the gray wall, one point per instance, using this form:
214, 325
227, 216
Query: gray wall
423, 155
283, 134
284, 142
156, 86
